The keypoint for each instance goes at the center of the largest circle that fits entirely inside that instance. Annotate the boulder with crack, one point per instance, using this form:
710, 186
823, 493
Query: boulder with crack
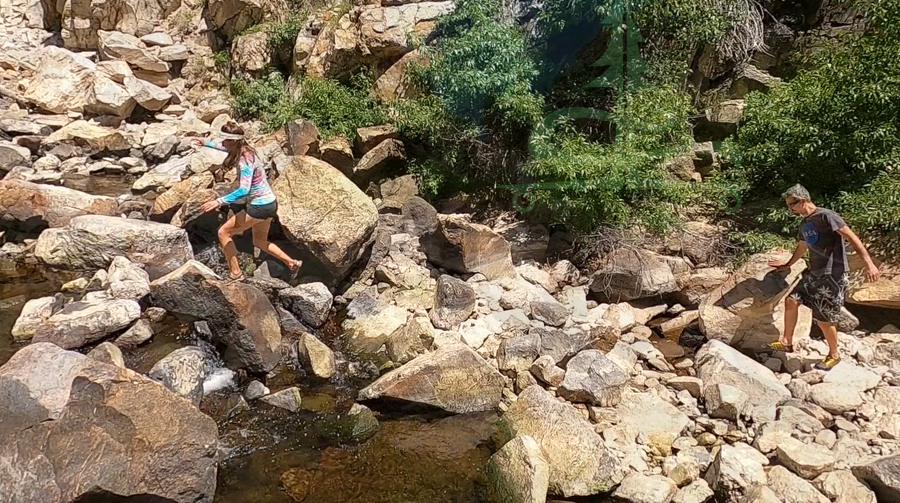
70, 412
580, 464
466, 247
239, 316
454, 378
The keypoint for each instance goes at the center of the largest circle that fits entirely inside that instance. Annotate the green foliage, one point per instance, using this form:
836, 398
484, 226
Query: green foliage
481, 68
282, 36
835, 127
620, 183
222, 59
757, 241
333, 107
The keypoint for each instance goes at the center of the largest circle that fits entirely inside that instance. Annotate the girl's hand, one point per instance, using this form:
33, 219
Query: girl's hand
209, 206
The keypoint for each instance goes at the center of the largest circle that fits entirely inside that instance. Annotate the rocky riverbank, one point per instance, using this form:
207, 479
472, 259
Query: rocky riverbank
420, 354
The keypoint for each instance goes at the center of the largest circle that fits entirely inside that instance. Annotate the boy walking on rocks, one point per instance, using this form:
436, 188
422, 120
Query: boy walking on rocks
823, 287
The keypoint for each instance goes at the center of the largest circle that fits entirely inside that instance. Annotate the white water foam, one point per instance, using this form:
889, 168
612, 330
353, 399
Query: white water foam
218, 380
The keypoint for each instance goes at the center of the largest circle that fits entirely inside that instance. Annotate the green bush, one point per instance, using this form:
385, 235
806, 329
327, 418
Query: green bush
835, 128
282, 36
333, 107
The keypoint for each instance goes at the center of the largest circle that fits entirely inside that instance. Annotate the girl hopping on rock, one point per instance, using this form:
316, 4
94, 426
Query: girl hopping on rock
260, 206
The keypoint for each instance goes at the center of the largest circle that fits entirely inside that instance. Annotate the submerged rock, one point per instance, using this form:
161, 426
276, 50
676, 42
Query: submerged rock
454, 378
580, 464
517, 473
287, 399
316, 356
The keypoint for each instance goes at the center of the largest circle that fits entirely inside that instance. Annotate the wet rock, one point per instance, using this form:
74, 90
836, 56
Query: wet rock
255, 390
323, 211
22, 201
579, 462
454, 378
316, 356
517, 473
183, 371
724, 401
637, 488
454, 302
174, 460
239, 315
288, 399
736, 469
138, 334
545, 369
91, 241
807, 460
410, 340
82, 323
363, 424
35, 312
883, 476
109, 353
370, 322
717, 363
310, 302
791, 488
633, 274
593, 378
843, 487
742, 311
697, 492
835, 398
466, 247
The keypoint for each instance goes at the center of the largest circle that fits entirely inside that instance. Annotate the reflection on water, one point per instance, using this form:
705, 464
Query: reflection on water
275, 457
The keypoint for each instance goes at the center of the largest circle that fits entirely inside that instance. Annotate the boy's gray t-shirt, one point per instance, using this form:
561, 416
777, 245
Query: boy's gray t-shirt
827, 251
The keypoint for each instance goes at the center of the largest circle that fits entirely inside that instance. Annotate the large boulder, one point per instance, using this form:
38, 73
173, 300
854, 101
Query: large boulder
23, 201
82, 323
310, 302
321, 210
77, 428
718, 363
92, 241
371, 164
745, 310
882, 293
466, 247
82, 20
63, 81
580, 463
240, 317
117, 45
393, 84
633, 274
454, 378
384, 31
231, 17
517, 473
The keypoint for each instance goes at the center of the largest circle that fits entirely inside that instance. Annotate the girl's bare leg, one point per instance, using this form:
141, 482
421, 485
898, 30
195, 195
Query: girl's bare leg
261, 241
234, 225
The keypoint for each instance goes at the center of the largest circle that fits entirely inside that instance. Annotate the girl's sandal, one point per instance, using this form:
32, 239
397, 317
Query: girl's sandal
295, 268
239, 277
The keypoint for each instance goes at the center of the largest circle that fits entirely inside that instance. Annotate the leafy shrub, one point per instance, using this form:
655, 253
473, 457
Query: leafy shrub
834, 128
333, 107
282, 36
